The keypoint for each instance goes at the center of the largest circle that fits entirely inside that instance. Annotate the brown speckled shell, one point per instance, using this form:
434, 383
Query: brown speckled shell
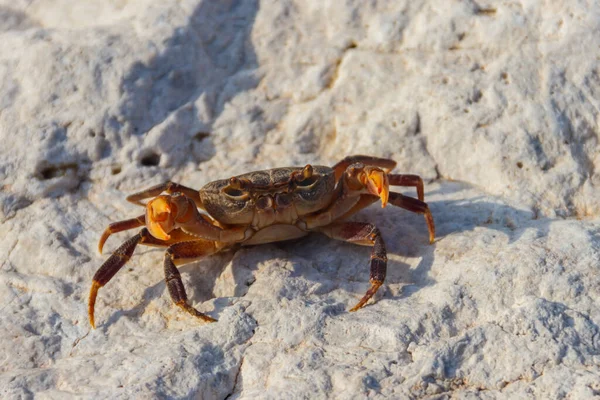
232, 211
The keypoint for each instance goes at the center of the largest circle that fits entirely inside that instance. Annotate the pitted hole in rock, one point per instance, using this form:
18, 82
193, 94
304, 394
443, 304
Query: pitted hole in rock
150, 159
201, 136
47, 172
115, 169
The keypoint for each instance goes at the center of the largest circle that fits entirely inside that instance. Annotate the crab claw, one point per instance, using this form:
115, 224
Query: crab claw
377, 183
160, 217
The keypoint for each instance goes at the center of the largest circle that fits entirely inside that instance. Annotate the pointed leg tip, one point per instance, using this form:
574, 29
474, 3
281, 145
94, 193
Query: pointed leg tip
92, 302
132, 199
205, 317
359, 305
91, 317
191, 310
103, 239
431, 236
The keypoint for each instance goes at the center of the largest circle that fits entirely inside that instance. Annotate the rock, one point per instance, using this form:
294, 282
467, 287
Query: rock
493, 104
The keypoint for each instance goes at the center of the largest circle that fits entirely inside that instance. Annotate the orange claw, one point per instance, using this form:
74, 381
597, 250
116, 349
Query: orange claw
378, 184
160, 217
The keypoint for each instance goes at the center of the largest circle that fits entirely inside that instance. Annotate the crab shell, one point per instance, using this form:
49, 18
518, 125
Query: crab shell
269, 197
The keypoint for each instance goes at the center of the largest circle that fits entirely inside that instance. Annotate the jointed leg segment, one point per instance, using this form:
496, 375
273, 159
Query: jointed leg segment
182, 252
408, 180
182, 247
120, 226
111, 266
368, 235
416, 206
398, 200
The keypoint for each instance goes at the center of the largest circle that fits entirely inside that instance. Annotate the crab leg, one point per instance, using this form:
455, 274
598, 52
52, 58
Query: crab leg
111, 266
408, 180
180, 253
170, 188
120, 257
119, 227
341, 166
416, 206
398, 200
368, 235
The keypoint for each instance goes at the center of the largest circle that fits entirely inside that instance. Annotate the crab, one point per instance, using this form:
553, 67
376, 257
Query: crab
262, 207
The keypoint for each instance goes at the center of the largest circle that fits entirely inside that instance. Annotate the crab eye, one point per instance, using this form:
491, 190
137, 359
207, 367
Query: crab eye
229, 191
307, 181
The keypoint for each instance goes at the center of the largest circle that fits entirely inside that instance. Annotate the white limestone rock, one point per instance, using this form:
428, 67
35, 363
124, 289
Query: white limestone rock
101, 99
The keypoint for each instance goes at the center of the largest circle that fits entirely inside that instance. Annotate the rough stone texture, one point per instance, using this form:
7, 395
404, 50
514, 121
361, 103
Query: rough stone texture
496, 104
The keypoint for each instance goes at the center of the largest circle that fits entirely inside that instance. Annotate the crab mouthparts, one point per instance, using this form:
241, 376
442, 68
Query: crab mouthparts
377, 184
160, 218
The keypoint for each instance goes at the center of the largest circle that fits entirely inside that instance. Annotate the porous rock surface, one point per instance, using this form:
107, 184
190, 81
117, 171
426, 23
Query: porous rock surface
495, 104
